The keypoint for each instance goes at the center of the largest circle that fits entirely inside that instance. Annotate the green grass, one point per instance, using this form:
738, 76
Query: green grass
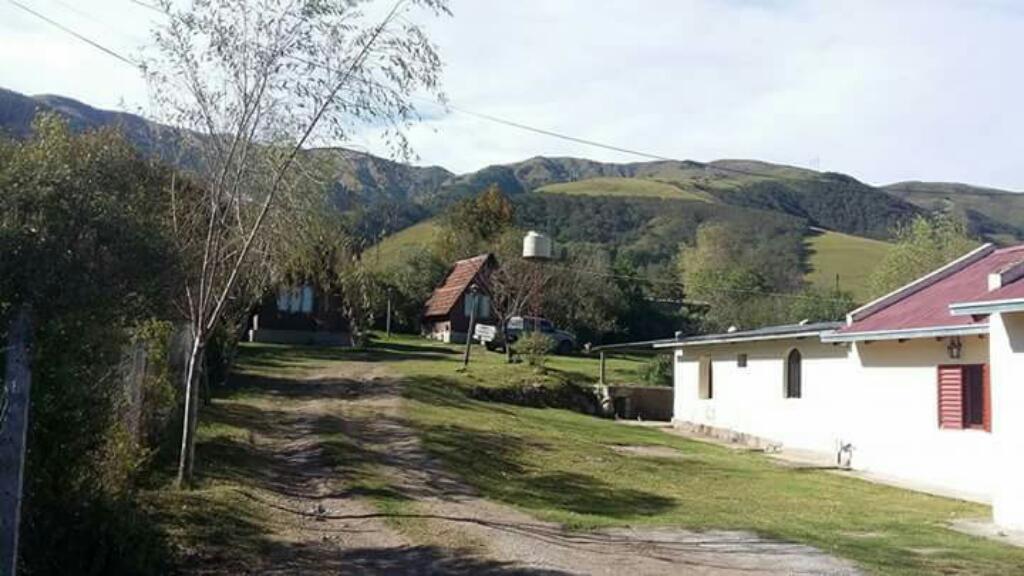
560, 466
435, 359
630, 187
853, 258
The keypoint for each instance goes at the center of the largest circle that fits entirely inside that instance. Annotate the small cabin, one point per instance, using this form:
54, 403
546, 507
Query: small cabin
300, 314
447, 311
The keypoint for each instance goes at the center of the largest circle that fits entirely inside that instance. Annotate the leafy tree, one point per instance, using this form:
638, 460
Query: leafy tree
820, 305
583, 296
924, 245
475, 225
410, 279
735, 271
83, 241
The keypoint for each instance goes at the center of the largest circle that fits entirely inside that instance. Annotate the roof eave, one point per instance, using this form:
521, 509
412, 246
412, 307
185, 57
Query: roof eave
987, 307
751, 338
907, 333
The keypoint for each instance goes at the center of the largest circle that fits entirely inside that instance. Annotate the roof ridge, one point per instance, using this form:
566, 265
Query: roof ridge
933, 277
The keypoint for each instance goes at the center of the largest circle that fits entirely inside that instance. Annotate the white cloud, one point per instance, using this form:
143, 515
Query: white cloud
882, 90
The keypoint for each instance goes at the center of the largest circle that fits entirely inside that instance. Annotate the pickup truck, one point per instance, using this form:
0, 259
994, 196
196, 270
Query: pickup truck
562, 342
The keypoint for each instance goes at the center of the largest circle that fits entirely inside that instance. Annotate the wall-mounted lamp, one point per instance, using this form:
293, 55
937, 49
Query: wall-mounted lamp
954, 347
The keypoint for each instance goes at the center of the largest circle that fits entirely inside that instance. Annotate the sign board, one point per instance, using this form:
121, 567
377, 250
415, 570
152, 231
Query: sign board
485, 332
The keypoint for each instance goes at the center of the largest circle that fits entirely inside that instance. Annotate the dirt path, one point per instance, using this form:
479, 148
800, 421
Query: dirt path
325, 521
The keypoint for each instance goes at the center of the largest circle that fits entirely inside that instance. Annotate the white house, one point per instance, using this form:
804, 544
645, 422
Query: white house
925, 384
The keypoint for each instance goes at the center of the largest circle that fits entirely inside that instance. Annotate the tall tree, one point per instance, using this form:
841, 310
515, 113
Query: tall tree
475, 225
926, 244
254, 82
736, 270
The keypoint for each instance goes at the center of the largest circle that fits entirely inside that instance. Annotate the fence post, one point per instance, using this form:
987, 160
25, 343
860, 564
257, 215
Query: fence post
13, 433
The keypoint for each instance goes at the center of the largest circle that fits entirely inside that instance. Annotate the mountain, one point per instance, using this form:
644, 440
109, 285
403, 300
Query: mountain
641, 205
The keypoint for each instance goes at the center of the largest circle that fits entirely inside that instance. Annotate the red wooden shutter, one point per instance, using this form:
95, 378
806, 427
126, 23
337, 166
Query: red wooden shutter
951, 397
988, 399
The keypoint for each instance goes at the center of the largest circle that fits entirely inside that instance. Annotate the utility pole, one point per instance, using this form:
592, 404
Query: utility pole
387, 323
473, 291
13, 434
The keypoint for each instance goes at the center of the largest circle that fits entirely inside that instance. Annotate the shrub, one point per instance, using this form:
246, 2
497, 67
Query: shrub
535, 346
657, 371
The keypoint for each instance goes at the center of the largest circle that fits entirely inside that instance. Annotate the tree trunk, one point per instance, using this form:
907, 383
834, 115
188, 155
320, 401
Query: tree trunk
187, 456
13, 435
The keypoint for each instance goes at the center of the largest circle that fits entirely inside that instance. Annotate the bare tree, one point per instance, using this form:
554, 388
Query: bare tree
515, 287
254, 84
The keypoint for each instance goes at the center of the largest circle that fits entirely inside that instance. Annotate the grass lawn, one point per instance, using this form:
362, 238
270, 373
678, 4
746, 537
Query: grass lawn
851, 257
561, 466
429, 359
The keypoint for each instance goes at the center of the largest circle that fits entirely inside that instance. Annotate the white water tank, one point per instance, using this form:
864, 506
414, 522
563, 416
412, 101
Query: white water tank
536, 246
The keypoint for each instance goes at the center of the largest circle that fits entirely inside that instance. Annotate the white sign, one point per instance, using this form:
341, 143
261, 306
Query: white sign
484, 332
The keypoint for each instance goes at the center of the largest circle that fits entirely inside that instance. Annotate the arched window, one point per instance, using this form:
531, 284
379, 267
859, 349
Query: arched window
794, 378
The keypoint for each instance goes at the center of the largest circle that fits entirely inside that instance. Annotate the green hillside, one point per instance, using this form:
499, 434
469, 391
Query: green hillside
417, 235
852, 258
997, 215
628, 187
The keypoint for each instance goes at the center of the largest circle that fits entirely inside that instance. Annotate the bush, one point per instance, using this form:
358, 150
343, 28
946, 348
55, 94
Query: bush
535, 346
657, 371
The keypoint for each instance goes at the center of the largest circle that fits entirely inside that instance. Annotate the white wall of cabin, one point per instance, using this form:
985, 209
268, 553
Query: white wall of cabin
881, 397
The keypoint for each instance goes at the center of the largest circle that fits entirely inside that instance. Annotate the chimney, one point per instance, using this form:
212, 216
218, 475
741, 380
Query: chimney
1006, 275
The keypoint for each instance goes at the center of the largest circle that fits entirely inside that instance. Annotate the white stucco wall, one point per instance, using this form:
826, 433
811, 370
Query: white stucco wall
881, 397
1007, 384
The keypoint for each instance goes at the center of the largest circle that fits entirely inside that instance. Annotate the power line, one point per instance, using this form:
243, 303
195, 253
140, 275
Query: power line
64, 28
480, 115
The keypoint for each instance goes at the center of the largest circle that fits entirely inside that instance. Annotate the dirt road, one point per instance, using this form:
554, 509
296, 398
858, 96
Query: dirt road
349, 490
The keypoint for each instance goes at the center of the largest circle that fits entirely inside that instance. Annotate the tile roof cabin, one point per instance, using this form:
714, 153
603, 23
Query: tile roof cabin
446, 313
923, 387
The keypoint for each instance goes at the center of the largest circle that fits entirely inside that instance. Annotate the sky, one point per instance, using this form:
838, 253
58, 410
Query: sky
885, 91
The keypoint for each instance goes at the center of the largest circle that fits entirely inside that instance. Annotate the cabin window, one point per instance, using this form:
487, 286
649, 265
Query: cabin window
707, 379
307, 300
741, 360
794, 374
295, 299
964, 397
483, 309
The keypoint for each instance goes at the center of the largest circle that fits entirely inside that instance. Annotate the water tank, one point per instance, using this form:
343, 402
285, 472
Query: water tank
536, 246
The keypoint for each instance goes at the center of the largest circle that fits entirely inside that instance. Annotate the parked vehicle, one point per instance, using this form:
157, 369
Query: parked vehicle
562, 342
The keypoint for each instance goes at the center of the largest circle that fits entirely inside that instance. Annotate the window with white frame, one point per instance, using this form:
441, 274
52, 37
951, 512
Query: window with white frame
706, 389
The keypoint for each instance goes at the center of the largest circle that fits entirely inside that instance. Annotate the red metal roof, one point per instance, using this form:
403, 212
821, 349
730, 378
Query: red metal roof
1011, 291
929, 306
458, 280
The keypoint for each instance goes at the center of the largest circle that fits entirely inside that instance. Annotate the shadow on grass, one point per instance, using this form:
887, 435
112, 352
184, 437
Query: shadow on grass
496, 464
216, 531
430, 560
271, 357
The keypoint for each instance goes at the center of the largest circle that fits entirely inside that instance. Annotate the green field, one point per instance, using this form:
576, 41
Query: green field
629, 187
852, 258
